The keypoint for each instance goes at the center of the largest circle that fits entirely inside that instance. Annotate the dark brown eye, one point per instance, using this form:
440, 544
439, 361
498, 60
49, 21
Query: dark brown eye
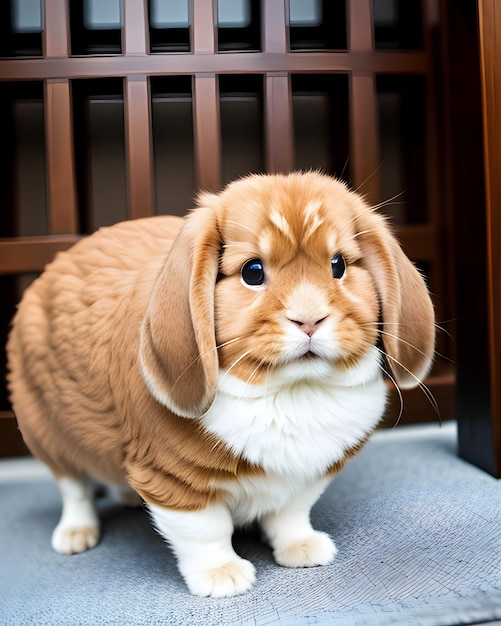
253, 272
338, 265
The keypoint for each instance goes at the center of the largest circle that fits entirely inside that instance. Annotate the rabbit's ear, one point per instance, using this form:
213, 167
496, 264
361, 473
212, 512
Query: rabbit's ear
178, 347
408, 320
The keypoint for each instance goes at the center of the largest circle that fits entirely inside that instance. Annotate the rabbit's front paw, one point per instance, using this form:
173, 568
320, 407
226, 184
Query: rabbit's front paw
314, 549
229, 579
74, 539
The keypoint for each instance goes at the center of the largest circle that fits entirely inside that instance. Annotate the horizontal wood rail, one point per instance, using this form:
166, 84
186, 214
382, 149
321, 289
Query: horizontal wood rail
225, 63
31, 254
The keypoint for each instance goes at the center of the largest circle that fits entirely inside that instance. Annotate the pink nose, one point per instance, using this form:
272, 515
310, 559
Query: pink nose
307, 326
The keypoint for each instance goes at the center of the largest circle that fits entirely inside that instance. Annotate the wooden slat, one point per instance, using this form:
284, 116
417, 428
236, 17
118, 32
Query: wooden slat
274, 27
360, 25
139, 149
138, 135
432, 139
135, 32
486, 430
408, 62
279, 124
31, 254
279, 130
467, 159
204, 37
207, 131
56, 34
364, 131
62, 198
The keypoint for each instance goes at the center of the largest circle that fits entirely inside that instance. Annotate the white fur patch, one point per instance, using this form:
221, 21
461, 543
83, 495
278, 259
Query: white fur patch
312, 219
282, 224
201, 541
294, 428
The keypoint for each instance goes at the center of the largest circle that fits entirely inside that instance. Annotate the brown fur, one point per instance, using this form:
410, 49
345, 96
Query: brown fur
118, 300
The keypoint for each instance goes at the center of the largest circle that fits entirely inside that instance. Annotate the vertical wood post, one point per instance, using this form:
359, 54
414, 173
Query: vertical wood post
364, 126
56, 33
139, 149
279, 123
135, 35
61, 182
207, 131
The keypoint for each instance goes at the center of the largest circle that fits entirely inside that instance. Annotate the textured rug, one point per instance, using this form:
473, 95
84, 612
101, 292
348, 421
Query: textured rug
417, 529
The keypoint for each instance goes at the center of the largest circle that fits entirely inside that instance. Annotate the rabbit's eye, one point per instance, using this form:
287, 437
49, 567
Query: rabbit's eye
253, 272
338, 265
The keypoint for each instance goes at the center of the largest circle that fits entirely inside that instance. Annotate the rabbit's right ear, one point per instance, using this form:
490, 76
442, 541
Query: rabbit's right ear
177, 351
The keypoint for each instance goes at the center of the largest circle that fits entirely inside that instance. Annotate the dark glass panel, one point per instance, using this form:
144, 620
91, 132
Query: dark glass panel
402, 126
173, 145
98, 107
242, 131
321, 123
317, 25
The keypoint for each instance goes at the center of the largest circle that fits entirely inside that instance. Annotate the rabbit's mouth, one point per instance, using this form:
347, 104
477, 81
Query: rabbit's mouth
308, 356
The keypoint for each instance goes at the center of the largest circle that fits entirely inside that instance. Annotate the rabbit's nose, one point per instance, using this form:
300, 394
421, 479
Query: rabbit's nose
308, 326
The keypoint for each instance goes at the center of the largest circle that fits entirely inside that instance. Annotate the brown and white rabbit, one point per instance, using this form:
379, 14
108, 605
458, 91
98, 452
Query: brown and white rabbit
225, 366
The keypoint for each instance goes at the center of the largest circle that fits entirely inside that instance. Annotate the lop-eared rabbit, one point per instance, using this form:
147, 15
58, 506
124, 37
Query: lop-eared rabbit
223, 366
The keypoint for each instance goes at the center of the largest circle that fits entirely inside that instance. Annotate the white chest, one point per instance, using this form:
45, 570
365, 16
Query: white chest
294, 431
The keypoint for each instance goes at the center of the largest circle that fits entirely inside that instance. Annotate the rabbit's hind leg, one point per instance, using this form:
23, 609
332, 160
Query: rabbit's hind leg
78, 528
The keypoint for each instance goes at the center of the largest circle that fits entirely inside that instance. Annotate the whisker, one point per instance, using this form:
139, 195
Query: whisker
362, 232
388, 201
200, 356
420, 383
237, 361
267, 378
446, 332
344, 167
397, 389
407, 343
227, 343
252, 374
249, 378
357, 190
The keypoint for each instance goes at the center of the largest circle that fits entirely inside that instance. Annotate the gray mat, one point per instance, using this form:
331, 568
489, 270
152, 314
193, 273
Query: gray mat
418, 533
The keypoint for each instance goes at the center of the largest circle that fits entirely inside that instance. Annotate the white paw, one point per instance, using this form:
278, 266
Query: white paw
315, 549
73, 540
231, 578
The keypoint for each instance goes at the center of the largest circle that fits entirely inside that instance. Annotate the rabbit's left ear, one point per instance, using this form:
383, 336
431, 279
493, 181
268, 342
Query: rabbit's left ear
408, 319
178, 356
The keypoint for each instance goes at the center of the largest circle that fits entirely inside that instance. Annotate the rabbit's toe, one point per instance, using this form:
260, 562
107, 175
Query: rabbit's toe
231, 578
73, 540
315, 549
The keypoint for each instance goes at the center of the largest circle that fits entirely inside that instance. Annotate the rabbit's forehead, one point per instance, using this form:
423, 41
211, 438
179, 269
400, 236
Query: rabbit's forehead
281, 230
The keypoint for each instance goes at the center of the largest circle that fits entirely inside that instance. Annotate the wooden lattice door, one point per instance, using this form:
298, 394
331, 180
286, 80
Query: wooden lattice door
128, 116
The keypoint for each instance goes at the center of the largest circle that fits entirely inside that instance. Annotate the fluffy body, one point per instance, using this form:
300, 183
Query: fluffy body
143, 357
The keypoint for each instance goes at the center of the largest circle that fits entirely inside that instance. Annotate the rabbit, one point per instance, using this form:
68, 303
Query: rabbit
224, 366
